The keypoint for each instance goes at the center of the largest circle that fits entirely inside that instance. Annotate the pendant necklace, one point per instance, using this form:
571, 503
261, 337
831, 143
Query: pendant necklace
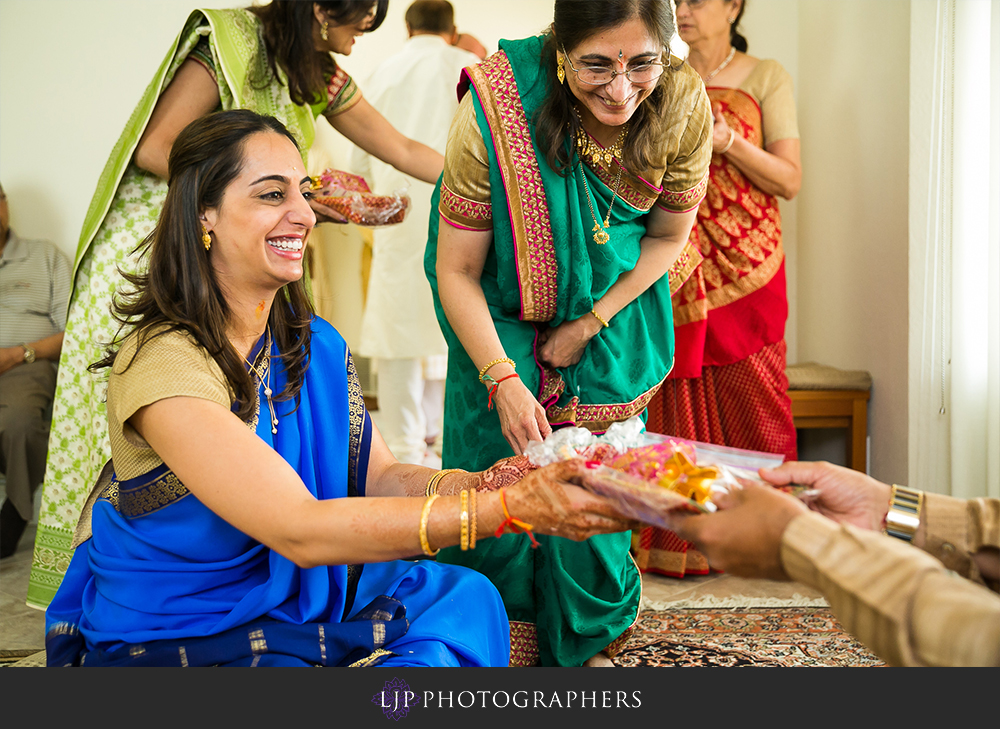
709, 77
587, 150
267, 385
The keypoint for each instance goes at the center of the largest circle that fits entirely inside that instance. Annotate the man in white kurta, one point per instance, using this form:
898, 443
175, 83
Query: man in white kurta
415, 89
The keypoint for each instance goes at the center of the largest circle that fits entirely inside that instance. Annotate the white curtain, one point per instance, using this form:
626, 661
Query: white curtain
954, 351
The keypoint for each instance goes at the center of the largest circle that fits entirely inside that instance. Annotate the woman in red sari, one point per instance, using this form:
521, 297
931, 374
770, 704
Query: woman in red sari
728, 385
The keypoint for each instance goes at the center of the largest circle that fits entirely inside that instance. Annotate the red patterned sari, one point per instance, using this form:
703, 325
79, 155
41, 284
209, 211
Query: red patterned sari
728, 385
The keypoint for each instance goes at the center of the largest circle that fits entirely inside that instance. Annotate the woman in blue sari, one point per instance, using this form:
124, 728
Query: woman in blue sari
223, 530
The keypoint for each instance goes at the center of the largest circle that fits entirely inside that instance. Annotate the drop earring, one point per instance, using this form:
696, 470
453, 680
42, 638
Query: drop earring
206, 237
561, 70
324, 30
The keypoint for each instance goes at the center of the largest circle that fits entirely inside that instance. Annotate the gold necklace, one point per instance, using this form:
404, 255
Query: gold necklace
608, 154
267, 385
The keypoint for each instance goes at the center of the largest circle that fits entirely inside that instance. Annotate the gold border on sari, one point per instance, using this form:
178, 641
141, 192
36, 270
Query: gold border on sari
463, 212
595, 418
146, 498
356, 416
632, 189
685, 200
534, 247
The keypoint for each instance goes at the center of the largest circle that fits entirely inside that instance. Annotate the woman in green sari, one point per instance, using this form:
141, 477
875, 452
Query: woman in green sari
572, 176
275, 60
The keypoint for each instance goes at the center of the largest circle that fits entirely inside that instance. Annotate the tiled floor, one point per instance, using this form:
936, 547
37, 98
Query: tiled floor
21, 627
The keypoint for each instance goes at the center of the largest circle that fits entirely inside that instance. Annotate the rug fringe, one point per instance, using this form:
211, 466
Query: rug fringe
736, 601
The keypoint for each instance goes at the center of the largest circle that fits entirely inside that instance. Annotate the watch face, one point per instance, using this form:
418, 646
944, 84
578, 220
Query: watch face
29, 354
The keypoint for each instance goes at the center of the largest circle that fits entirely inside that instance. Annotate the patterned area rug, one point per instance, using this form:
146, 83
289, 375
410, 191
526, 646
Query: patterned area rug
742, 636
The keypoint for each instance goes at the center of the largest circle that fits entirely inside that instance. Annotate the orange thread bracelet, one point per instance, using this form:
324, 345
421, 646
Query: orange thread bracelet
495, 385
516, 525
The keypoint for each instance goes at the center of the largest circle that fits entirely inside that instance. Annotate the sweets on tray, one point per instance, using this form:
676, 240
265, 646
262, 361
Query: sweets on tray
637, 498
350, 196
649, 475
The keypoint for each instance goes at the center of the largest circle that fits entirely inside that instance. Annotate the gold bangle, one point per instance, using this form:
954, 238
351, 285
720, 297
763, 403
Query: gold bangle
473, 526
424, 516
434, 481
599, 318
465, 520
508, 360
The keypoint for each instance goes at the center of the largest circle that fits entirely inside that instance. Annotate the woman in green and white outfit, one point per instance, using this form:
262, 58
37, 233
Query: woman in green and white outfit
276, 60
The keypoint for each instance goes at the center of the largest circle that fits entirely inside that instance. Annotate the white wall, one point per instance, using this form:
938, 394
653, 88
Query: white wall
853, 209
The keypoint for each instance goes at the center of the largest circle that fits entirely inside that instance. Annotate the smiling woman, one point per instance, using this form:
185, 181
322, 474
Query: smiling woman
217, 537
572, 175
276, 58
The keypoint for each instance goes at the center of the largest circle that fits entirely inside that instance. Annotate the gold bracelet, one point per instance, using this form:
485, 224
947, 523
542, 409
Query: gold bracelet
473, 495
599, 318
435, 480
465, 520
424, 516
508, 360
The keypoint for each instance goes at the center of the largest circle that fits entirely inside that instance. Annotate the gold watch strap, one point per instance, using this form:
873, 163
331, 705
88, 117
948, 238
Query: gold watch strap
903, 518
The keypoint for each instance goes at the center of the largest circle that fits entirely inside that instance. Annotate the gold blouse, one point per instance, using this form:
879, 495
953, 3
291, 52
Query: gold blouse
771, 87
168, 365
676, 182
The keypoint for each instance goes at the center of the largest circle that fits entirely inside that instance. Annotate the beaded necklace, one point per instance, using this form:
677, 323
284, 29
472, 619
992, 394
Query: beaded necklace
267, 385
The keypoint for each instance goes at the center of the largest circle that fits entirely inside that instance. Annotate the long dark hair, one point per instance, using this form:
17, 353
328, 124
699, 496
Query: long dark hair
572, 23
180, 290
288, 37
735, 37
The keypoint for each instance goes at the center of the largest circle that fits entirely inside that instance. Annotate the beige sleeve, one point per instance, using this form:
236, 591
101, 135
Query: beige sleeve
167, 365
771, 85
955, 529
900, 602
465, 187
686, 177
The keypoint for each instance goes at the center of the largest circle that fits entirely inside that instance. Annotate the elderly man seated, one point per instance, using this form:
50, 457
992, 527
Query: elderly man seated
34, 289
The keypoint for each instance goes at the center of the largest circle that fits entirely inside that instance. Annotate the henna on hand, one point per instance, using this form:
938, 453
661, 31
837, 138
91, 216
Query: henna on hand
503, 473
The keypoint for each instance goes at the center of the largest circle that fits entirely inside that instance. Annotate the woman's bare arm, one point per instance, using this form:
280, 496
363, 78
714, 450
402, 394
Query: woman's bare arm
367, 128
236, 475
191, 94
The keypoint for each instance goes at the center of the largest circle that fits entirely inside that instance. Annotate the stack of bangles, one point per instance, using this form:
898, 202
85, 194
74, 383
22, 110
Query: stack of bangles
468, 516
492, 383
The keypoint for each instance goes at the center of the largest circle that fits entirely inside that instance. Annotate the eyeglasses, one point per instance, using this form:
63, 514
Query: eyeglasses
690, 3
643, 73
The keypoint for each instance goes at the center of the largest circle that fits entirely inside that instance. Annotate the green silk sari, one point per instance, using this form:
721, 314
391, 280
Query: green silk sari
566, 600
122, 213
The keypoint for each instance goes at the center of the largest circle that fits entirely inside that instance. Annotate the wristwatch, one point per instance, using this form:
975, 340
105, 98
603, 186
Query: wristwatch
904, 513
29, 353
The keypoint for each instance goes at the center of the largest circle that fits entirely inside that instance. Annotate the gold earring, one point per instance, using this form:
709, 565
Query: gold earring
561, 70
324, 30
206, 237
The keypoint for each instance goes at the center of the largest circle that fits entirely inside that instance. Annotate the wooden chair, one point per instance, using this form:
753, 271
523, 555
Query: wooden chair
825, 397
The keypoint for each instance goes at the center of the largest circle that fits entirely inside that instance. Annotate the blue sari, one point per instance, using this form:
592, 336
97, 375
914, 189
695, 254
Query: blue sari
165, 581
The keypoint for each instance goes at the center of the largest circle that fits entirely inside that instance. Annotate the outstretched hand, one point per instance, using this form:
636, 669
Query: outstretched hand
552, 502
522, 418
743, 537
845, 495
